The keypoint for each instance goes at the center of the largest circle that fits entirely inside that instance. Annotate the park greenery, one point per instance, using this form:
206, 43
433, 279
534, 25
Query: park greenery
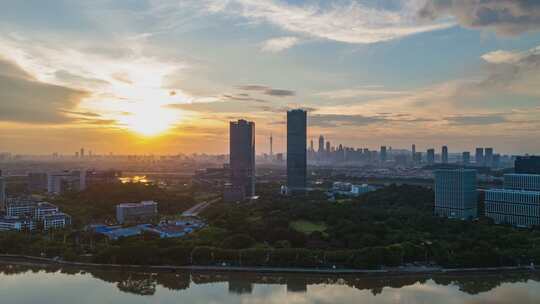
390, 227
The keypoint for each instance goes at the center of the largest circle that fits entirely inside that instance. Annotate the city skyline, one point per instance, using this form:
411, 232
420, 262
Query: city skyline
166, 77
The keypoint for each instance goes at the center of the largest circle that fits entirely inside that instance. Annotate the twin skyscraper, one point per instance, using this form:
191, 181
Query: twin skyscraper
242, 155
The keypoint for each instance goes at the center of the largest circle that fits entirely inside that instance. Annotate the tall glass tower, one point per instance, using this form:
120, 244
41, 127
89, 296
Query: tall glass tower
242, 156
296, 150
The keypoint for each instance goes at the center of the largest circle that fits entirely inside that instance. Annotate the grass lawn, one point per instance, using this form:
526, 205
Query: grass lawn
308, 227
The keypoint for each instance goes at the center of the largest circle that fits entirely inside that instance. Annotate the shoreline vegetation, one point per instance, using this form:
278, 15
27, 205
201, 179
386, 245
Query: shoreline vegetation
23, 260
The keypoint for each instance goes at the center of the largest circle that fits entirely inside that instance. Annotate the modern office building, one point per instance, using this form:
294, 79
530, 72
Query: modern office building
136, 212
444, 155
43, 209
430, 157
16, 224
515, 207
56, 220
3, 196
418, 157
455, 193
526, 182
518, 203
242, 156
60, 182
527, 165
296, 150
479, 156
488, 157
25, 214
17, 207
413, 150
466, 158
383, 154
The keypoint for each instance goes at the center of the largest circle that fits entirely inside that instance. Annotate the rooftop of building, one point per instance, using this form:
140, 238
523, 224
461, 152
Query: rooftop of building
500, 190
46, 205
141, 204
522, 174
56, 215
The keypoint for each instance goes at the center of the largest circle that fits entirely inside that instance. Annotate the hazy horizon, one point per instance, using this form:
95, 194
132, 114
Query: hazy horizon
166, 77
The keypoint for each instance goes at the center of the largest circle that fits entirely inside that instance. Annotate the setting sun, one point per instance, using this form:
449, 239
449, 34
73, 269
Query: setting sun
149, 119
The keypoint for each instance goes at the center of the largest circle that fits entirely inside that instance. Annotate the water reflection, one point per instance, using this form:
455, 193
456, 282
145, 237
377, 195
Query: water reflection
274, 288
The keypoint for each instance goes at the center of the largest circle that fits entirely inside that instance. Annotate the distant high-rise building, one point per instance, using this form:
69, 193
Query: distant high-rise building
296, 150
418, 157
82, 153
466, 158
430, 157
3, 196
527, 165
311, 147
479, 157
321, 144
413, 149
328, 147
444, 155
488, 157
60, 182
242, 156
271, 146
383, 155
455, 193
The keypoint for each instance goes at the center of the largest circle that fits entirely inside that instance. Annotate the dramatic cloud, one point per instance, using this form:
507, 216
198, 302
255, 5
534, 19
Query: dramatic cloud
25, 99
335, 120
344, 21
267, 90
513, 72
277, 45
477, 119
505, 17
362, 92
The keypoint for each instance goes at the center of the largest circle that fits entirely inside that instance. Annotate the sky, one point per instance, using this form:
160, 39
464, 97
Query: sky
167, 76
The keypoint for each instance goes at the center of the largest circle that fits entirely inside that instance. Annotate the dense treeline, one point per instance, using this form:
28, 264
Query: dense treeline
98, 202
389, 227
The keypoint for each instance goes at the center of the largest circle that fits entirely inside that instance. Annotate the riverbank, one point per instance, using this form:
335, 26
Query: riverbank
398, 271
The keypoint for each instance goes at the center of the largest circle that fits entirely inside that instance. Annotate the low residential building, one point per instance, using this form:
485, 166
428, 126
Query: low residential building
56, 220
16, 224
136, 212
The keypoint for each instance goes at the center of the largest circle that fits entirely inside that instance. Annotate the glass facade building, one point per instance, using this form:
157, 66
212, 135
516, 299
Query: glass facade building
296, 150
455, 193
242, 156
518, 203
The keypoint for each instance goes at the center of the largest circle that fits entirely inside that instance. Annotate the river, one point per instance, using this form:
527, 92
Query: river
55, 285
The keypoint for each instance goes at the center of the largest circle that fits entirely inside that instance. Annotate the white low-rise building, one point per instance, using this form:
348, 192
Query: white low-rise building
16, 224
57, 220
